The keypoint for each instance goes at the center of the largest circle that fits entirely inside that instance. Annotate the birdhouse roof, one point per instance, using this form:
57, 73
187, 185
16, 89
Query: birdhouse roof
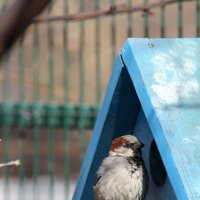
166, 77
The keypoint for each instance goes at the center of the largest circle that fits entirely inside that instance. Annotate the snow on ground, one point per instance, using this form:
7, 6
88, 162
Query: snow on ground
14, 191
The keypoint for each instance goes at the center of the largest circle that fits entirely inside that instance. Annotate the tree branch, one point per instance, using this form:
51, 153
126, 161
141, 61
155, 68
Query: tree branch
112, 10
10, 164
16, 19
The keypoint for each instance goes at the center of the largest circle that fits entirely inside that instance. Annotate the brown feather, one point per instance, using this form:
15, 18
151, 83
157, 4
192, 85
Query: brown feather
117, 143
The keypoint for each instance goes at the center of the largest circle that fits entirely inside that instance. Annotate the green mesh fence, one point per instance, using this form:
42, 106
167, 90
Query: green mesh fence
53, 82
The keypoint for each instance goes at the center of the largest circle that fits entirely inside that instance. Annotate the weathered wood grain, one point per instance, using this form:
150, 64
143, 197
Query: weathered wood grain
166, 76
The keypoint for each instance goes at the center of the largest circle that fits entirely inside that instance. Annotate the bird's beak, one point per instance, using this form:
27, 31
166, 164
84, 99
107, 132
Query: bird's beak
139, 145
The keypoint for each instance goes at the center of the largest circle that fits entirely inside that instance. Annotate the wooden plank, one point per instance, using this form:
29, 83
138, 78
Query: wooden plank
165, 73
114, 120
143, 133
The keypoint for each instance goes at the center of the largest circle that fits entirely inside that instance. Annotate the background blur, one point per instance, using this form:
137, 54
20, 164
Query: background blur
53, 81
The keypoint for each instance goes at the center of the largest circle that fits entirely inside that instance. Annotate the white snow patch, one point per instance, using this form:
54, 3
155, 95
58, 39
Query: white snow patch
160, 78
188, 140
28, 192
173, 75
167, 93
189, 68
190, 88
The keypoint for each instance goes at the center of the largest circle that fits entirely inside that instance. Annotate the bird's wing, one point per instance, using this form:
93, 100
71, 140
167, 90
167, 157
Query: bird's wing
145, 182
98, 178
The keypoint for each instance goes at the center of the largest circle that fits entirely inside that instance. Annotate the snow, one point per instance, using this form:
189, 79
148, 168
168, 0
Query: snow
14, 190
174, 77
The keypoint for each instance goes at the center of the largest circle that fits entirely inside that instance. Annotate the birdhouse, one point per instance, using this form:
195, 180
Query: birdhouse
153, 93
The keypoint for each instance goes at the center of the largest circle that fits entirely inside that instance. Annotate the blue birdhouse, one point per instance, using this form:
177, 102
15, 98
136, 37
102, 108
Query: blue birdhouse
154, 93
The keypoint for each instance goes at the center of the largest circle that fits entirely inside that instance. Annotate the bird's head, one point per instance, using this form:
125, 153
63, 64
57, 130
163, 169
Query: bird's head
125, 146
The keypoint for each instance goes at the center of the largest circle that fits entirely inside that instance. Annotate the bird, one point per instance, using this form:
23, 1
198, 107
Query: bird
122, 175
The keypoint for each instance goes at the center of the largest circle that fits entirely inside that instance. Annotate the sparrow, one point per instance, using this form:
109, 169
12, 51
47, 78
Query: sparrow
122, 174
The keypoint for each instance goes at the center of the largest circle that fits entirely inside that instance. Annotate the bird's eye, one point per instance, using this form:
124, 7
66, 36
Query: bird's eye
136, 145
128, 145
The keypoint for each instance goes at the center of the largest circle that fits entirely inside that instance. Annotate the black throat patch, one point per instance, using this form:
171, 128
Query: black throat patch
135, 160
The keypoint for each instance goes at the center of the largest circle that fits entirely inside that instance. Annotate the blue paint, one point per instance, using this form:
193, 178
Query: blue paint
173, 122
143, 133
114, 120
161, 79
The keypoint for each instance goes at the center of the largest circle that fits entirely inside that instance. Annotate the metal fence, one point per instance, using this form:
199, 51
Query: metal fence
54, 79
